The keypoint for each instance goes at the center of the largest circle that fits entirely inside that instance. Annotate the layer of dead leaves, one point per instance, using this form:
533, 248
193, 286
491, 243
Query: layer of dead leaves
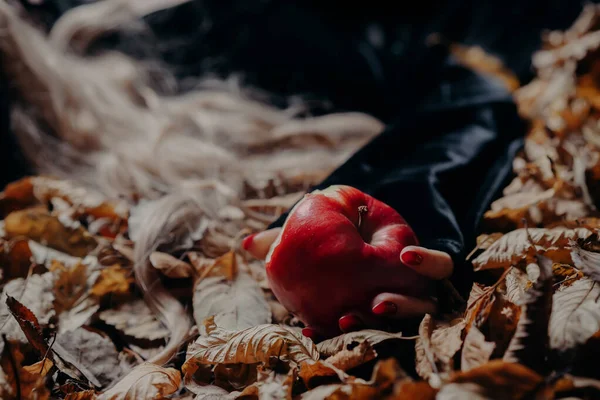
74, 326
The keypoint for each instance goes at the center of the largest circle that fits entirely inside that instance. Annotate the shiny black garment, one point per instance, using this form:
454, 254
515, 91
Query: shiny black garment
440, 164
450, 134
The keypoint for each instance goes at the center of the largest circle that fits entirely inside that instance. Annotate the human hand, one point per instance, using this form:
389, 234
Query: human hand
432, 264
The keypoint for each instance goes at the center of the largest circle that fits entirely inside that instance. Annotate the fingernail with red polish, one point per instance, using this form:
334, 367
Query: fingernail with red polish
385, 308
411, 258
349, 323
310, 333
247, 242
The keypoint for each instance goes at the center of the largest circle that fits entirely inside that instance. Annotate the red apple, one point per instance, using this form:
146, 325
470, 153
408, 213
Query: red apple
338, 249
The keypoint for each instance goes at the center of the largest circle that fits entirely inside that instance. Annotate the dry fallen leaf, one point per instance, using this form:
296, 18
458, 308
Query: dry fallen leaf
436, 346
336, 365
70, 285
501, 380
476, 350
84, 395
514, 247
16, 258
347, 341
340, 391
29, 324
114, 280
576, 315
38, 225
587, 261
146, 381
135, 319
35, 293
529, 344
261, 344
100, 356
28, 381
235, 304
171, 266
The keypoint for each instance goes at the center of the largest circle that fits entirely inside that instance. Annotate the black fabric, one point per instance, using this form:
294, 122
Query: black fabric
441, 164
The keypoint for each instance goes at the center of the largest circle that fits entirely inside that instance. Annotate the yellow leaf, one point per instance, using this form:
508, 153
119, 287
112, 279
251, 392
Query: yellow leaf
39, 226
113, 280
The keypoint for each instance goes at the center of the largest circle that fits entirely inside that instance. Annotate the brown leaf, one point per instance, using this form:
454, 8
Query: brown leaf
436, 346
232, 376
146, 381
271, 386
479, 305
84, 395
501, 323
29, 324
225, 266
35, 293
347, 341
501, 380
587, 261
413, 391
70, 284
516, 284
529, 343
237, 303
576, 314
572, 387
351, 358
16, 259
38, 225
114, 280
314, 373
96, 353
565, 275
28, 381
260, 344
514, 247
340, 392
135, 319
171, 266
39, 368
16, 196
476, 351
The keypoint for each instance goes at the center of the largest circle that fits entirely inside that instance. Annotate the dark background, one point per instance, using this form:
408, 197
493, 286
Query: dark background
368, 56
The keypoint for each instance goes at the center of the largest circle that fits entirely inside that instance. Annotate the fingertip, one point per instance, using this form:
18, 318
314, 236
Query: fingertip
258, 244
350, 323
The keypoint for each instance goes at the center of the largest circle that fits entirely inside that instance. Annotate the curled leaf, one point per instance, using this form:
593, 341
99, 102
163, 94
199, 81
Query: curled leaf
235, 304
146, 381
576, 315
436, 346
516, 247
260, 344
476, 350
38, 225
171, 266
500, 380
347, 341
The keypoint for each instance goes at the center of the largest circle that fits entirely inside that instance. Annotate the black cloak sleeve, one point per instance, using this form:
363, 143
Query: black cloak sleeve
442, 164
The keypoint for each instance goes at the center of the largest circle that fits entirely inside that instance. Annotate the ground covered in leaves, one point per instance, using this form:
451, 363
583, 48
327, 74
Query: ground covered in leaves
75, 326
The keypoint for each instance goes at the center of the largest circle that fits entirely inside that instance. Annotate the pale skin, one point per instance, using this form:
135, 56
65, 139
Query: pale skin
433, 264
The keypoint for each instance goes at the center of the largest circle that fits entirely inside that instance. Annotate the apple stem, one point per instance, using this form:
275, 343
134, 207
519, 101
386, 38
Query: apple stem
361, 210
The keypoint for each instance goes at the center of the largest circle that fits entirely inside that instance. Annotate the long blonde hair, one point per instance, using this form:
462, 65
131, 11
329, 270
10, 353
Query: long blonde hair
101, 121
